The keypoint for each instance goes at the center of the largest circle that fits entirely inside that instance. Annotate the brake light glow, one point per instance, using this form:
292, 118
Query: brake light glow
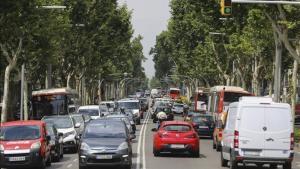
162, 135
236, 139
194, 135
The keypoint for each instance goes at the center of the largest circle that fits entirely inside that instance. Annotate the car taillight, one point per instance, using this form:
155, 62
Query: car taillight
194, 135
162, 135
236, 139
292, 141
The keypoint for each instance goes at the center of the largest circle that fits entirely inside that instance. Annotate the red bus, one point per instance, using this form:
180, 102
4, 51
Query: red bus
174, 93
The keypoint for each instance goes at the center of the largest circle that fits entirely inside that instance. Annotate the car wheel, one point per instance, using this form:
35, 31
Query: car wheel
155, 152
48, 162
287, 165
224, 163
233, 163
196, 154
273, 166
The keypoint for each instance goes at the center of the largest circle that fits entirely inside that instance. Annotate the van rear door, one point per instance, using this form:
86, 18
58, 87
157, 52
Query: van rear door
251, 134
278, 126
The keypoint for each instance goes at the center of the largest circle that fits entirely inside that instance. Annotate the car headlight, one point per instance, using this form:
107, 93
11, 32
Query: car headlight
123, 146
1, 147
84, 147
36, 145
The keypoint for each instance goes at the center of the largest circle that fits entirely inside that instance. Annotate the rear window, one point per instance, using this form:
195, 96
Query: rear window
104, 130
91, 112
179, 128
13, 133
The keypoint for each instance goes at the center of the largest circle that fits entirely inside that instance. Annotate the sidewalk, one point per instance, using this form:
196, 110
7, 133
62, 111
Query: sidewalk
297, 148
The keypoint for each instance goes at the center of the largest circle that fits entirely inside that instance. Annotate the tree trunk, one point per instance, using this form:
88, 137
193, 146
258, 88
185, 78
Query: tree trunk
25, 99
277, 71
270, 88
69, 80
294, 87
6, 92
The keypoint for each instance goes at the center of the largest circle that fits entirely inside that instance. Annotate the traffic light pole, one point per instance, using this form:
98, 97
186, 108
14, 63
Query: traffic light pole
266, 2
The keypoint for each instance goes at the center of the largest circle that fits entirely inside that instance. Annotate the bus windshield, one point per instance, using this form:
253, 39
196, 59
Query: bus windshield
230, 97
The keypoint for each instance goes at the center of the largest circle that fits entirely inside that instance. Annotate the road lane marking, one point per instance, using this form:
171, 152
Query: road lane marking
75, 160
144, 140
69, 166
138, 160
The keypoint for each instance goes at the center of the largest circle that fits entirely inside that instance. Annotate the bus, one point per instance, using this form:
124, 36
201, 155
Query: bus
56, 101
174, 93
218, 103
200, 99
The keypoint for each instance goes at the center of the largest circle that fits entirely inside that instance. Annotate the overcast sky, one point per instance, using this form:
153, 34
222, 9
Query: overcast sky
149, 18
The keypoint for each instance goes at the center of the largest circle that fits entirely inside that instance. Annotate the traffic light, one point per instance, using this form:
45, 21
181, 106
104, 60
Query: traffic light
226, 7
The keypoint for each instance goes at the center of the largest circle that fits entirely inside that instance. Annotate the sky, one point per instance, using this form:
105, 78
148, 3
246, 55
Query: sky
149, 19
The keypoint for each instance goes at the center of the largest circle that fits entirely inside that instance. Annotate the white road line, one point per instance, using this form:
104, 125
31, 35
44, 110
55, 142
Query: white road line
138, 160
69, 166
144, 140
75, 160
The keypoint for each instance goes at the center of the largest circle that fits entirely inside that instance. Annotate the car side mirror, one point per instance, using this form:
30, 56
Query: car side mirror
48, 138
77, 125
60, 134
154, 129
78, 137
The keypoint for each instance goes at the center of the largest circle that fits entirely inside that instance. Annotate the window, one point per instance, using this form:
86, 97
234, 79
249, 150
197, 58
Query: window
179, 128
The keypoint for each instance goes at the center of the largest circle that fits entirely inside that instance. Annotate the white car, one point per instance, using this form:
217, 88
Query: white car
93, 111
259, 131
177, 108
66, 126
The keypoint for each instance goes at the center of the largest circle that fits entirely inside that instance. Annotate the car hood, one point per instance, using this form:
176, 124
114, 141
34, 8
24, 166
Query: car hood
18, 145
135, 111
102, 143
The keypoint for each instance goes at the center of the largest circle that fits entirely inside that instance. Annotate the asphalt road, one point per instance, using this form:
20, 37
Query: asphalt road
144, 159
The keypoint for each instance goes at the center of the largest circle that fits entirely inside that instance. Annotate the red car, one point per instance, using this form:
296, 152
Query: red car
24, 144
175, 136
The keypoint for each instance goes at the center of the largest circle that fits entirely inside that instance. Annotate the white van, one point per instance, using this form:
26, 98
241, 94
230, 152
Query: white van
260, 131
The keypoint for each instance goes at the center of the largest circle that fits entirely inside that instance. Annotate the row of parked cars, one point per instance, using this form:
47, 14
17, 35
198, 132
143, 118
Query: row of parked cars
101, 135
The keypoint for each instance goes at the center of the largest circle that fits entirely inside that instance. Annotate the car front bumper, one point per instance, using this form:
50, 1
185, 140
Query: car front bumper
32, 160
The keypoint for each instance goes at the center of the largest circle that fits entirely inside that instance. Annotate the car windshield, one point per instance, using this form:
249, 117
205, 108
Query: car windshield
13, 133
78, 119
60, 122
91, 112
104, 131
103, 109
202, 120
129, 105
178, 105
177, 127
50, 130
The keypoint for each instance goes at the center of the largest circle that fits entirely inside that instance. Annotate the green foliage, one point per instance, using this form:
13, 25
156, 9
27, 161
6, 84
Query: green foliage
297, 135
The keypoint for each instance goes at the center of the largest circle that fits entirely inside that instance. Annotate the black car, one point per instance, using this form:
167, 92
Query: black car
56, 143
130, 116
165, 109
204, 125
105, 142
126, 121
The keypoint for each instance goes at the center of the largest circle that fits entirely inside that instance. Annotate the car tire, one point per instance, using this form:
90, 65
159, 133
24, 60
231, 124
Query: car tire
48, 162
287, 165
156, 153
224, 163
196, 154
233, 163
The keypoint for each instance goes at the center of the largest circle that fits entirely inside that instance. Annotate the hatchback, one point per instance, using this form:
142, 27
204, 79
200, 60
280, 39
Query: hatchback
175, 136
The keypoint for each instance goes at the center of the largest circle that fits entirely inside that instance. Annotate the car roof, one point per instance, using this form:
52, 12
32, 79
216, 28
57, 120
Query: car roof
89, 107
23, 123
107, 121
128, 100
176, 122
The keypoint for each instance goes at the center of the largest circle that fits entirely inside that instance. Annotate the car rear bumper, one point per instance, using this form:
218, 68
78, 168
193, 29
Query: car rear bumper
166, 145
32, 160
205, 133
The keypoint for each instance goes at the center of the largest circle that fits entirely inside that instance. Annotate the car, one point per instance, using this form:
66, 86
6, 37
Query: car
177, 108
175, 136
204, 125
92, 110
104, 110
56, 143
167, 110
258, 131
127, 122
78, 118
105, 142
86, 118
130, 117
109, 104
65, 125
24, 144
132, 105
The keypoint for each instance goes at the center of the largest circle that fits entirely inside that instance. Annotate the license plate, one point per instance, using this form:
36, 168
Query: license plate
177, 146
16, 158
252, 153
104, 157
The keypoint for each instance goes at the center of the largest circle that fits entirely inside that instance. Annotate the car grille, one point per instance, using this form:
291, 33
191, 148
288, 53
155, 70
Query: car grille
115, 160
